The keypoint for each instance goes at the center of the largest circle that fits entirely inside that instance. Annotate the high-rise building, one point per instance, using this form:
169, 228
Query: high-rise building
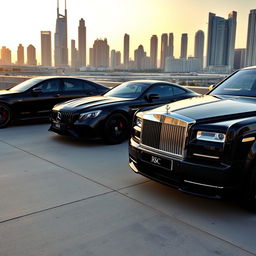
153, 51
184, 46
239, 59
221, 40
199, 47
6, 56
126, 50
115, 59
46, 48
91, 57
82, 43
74, 55
139, 58
31, 55
99, 54
170, 46
251, 39
20, 55
61, 39
118, 58
164, 50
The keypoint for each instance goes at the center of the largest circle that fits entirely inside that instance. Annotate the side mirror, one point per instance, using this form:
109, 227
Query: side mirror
151, 97
36, 91
212, 86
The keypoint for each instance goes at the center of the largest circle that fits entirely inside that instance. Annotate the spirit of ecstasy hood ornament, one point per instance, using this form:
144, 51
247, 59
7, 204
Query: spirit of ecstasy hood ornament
168, 108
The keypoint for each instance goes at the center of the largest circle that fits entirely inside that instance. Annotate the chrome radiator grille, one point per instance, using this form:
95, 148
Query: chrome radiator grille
169, 137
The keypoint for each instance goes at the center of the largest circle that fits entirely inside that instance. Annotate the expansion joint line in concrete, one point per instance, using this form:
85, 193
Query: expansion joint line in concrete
119, 192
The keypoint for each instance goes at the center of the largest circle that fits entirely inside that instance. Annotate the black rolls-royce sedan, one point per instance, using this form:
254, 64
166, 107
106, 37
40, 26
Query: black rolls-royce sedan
109, 116
35, 97
204, 145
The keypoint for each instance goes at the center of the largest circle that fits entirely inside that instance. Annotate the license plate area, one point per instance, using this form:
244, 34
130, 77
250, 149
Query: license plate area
157, 161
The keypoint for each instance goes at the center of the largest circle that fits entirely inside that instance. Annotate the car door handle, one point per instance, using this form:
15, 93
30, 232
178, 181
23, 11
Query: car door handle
57, 95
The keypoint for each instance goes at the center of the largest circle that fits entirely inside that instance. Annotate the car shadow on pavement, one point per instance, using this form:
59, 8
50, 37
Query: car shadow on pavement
93, 142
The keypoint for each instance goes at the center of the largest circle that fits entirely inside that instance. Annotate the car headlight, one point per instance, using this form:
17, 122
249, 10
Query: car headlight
138, 121
89, 115
211, 136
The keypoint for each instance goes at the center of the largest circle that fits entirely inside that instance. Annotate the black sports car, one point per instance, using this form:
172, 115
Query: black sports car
34, 98
109, 116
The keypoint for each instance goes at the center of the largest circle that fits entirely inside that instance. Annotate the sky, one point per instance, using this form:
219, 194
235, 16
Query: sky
22, 21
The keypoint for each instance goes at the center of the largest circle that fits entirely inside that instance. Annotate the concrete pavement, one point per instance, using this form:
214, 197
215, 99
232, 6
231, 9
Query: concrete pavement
60, 196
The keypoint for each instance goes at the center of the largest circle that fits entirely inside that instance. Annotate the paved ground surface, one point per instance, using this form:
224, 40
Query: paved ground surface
59, 196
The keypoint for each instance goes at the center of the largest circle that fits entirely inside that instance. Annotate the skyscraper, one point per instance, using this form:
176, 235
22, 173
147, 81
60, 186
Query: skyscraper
251, 39
46, 48
99, 54
115, 59
31, 55
184, 46
199, 47
82, 43
139, 58
164, 51
20, 55
61, 39
239, 59
74, 55
126, 50
6, 56
153, 51
221, 40
170, 46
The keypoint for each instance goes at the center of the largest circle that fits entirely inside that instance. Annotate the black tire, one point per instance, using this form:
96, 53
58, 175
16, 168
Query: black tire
116, 129
5, 115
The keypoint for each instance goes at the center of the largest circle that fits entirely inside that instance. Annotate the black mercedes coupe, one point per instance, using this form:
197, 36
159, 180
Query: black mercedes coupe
35, 97
109, 116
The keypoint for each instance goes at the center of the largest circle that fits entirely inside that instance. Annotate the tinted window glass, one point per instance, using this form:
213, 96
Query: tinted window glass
77, 85
161, 90
177, 90
242, 83
127, 90
72, 85
88, 86
52, 85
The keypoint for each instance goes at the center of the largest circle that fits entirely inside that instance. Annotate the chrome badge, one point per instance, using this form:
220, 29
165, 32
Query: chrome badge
59, 116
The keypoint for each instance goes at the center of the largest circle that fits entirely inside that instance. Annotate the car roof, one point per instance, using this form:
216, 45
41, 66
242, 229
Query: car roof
251, 67
146, 81
50, 77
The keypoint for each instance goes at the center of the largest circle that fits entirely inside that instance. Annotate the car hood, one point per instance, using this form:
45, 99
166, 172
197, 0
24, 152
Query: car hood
88, 102
211, 107
6, 92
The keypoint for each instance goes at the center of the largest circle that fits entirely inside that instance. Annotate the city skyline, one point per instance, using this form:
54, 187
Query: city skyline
101, 21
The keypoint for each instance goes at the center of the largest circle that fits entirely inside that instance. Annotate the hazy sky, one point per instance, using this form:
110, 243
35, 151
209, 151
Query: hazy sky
22, 20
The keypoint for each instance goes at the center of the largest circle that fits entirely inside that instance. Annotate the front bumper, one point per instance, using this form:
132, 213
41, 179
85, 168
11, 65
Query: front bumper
201, 179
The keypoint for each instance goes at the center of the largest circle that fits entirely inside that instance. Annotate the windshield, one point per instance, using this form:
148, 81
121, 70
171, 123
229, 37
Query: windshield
22, 87
127, 90
242, 83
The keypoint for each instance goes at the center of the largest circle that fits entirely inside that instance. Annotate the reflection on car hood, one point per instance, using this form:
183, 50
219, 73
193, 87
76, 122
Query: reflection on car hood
5, 92
87, 102
208, 107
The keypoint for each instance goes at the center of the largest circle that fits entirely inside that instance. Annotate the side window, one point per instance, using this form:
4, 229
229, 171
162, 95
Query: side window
77, 85
177, 90
72, 85
52, 85
161, 90
89, 87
